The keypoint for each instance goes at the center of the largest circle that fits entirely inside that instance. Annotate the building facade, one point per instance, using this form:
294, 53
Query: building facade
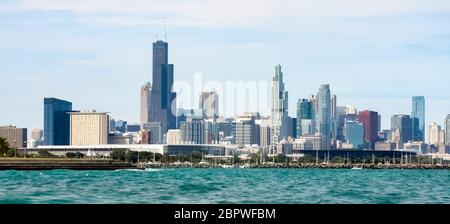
37, 134
162, 106
401, 128
370, 121
418, 118
193, 131
279, 109
304, 112
354, 134
209, 104
174, 137
434, 132
15, 137
155, 130
324, 117
56, 121
146, 90
247, 131
447, 130
89, 128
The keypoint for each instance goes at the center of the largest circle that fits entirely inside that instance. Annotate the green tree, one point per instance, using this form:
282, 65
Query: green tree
45, 154
118, 155
4, 147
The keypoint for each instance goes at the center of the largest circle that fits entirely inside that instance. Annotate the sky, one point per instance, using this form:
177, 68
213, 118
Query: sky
375, 54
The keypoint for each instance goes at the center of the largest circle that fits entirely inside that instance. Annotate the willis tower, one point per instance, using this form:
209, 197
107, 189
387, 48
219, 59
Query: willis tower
161, 101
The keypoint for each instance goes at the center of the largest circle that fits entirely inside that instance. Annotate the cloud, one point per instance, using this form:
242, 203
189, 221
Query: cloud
230, 13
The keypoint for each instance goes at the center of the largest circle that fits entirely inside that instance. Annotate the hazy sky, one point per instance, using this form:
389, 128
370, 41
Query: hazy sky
97, 53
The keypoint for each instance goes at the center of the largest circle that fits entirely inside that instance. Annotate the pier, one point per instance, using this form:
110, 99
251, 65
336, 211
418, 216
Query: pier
69, 164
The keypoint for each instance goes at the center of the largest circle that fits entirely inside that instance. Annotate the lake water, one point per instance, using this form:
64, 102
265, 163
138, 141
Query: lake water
268, 186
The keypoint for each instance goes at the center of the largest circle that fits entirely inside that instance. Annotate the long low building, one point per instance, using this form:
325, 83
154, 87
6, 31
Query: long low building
106, 150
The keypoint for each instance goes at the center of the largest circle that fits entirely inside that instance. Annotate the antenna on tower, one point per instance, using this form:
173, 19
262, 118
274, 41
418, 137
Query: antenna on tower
157, 32
164, 32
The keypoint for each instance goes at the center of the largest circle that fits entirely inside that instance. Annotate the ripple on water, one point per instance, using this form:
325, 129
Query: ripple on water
226, 186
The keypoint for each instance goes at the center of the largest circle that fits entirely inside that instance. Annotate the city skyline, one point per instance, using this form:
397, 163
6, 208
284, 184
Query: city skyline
51, 63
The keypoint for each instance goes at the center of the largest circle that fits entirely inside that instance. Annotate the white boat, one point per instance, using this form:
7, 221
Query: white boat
244, 166
357, 168
203, 162
227, 166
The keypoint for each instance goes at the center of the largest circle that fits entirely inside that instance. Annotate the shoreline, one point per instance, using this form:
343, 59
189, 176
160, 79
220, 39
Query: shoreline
305, 166
86, 164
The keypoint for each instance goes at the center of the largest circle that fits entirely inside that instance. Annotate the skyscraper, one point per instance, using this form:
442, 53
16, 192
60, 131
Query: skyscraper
354, 134
324, 116
247, 131
418, 118
279, 107
162, 106
193, 131
209, 104
56, 121
370, 121
333, 111
434, 132
146, 90
304, 112
401, 128
447, 130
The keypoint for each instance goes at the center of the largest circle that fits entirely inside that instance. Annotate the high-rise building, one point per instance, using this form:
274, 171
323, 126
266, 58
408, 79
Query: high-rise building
370, 121
401, 128
441, 146
37, 134
418, 118
146, 90
211, 132
434, 132
156, 132
209, 104
308, 127
162, 106
333, 102
247, 131
89, 128
343, 114
264, 136
56, 121
354, 134
279, 112
193, 131
304, 112
324, 117
15, 137
447, 130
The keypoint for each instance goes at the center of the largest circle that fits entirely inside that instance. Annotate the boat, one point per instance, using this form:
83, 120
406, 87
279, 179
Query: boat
203, 162
357, 168
227, 166
244, 166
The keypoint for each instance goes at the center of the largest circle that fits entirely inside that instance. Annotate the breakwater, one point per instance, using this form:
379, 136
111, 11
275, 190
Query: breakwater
70, 164
304, 166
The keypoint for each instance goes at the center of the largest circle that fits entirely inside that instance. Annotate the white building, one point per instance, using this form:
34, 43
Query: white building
88, 128
174, 137
434, 132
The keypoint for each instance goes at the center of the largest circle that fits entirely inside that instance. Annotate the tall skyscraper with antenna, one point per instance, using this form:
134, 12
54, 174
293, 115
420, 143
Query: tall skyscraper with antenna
280, 101
162, 104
